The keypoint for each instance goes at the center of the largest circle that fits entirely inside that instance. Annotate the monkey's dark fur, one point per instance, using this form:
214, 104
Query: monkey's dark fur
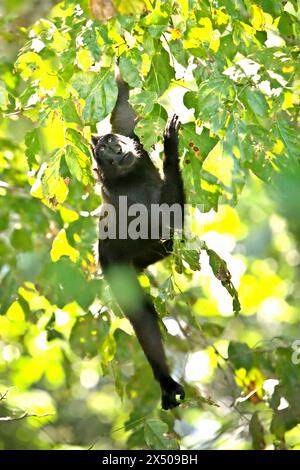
125, 169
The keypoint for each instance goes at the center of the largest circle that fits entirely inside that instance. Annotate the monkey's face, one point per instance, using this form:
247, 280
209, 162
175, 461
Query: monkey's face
116, 155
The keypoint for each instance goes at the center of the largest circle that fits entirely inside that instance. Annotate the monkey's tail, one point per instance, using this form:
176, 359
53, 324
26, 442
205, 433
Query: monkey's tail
123, 118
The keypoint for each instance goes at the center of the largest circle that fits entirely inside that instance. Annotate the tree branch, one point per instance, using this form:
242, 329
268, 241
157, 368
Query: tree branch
8, 419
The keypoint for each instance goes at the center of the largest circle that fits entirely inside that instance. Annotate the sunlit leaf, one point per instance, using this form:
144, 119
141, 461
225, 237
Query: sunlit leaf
30, 65
68, 215
84, 59
15, 312
157, 81
99, 91
130, 6
257, 20
61, 247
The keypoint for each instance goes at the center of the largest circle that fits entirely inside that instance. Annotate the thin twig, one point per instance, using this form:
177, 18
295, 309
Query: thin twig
8, 419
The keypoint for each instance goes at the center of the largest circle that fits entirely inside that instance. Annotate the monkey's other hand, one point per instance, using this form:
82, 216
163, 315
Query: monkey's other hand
169, 390
172, 129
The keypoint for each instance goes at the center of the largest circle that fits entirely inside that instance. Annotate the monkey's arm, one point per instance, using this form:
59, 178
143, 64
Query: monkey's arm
172, 190
123, 117
142, 315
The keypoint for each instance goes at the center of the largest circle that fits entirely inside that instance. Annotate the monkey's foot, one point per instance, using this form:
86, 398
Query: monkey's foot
169, 391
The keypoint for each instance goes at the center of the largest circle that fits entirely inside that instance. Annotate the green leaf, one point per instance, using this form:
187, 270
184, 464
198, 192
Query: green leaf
211, 100
90, 40
86, 335
283, 421
192, 259
61, 247
67, 283
290, 138
178, 264
108, 349
76, 139
143, 102
130, 71
190, 100
70, 113
149, 131
124, 343
256, 102
198, 144
221, 272
196, 147
161, 73
52, 333
240, 355
157, 20
257, 433
50, 180
156, 436
212, 329
286, 23
160, 305
79, 165
33, 147
269, 6
78, 157
287, 418
99, 91
8, 289
177, 50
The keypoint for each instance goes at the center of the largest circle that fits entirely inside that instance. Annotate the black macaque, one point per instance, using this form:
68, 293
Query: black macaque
125, 169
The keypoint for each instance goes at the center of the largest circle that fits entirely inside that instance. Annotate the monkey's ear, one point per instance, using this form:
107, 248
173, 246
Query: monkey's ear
95, 139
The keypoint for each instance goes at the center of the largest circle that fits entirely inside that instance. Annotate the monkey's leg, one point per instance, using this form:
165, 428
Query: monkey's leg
142, 315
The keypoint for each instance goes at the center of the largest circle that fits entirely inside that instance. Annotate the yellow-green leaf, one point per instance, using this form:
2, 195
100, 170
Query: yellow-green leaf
61, 247
84, 59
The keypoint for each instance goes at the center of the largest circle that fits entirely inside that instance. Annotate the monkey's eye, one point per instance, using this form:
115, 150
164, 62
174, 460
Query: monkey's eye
109, 140
101, 148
